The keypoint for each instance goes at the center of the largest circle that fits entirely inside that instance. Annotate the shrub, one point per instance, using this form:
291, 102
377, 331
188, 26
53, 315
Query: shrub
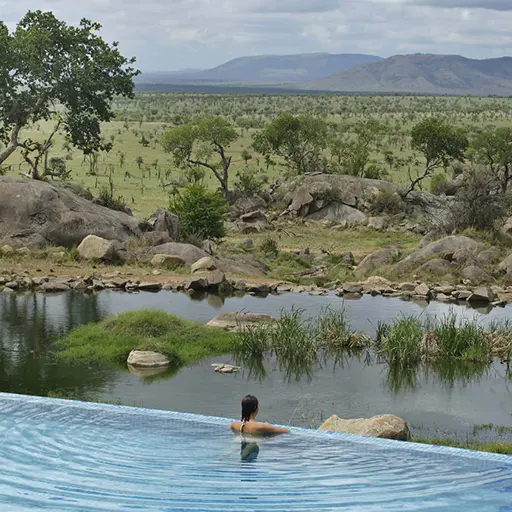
400, 342
439, 184
109, 201
388, 202
250, 182
202, 212
269, 246
479, 203
193, 174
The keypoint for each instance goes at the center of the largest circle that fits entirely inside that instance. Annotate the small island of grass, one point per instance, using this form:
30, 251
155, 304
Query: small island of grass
111, 341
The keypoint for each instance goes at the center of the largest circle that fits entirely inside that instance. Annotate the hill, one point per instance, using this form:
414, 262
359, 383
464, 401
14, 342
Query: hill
424, 74
266, 69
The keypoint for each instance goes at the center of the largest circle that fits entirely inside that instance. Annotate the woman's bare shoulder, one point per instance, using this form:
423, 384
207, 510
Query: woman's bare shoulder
235, 425
265, 428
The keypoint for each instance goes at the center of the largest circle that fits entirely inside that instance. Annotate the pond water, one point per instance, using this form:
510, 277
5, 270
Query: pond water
442, 402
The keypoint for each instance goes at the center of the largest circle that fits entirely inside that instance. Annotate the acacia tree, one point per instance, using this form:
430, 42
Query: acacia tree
493, 147
298, 140
439, 143
195, 144
52, 71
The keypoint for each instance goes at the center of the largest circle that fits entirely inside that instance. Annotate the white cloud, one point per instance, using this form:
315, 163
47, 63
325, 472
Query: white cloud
174, 34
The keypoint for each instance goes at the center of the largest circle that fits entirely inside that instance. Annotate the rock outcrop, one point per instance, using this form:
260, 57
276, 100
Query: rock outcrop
187, 252
147, 359
385, 426
37, 213
163, 220
96, 248
236, 322
167, 261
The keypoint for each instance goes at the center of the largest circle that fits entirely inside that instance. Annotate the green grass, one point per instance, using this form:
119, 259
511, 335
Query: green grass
400, 341
491, 447
112, 340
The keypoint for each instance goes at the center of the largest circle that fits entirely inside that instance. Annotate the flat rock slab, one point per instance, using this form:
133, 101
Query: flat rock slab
386, 426
237, 322
147, 359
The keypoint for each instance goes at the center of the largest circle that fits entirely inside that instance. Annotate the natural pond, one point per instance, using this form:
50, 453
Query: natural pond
446, 401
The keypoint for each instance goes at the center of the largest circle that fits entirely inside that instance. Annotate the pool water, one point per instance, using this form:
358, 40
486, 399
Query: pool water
71, 456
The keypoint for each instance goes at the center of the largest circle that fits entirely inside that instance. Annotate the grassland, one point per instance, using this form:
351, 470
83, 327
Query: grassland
140, 122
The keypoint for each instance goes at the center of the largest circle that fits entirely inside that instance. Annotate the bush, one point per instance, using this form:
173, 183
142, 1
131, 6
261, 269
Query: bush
250, 182
111, 202
479, 203
202, 212
388, 202
269, 246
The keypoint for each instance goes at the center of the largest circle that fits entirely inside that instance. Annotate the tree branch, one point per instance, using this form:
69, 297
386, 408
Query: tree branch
208, 166
13, 145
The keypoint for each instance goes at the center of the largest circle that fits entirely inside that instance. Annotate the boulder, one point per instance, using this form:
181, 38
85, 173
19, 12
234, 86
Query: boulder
248, 228
215, 279
378, 223
7, 250
407, 287
354, 288
187, 252
347, 258
488, 257
423, 290
506, 265
54, 286
197, 284
483, 294
385, 426
436, 267
336, 212
462, 294
149, 286
94, 247
37, 213
147, 359
258, 289
163, 220
205, 264
236, 322
440, 249
254, 216
378, 259
167, 261
154, 238
476, 274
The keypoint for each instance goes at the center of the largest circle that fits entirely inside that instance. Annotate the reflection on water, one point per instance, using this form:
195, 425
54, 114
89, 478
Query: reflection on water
351, 385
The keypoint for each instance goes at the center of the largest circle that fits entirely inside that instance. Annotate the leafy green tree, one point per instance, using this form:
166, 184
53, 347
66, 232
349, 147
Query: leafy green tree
52, 71
298, 140
354, 151
439, 143
202, 212
197, 143
493, 147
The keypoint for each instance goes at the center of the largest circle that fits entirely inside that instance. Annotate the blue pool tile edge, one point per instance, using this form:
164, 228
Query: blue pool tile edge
382, 443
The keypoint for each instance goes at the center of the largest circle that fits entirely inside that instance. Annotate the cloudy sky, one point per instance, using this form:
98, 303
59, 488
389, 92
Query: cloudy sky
178, 34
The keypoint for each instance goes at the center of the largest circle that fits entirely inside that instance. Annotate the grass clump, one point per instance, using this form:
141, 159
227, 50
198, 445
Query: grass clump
400, 342
112, 340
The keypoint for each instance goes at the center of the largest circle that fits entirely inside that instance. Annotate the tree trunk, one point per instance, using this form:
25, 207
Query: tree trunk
13, 145
506, 177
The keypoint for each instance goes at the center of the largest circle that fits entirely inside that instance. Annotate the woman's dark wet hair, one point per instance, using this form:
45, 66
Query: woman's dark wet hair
249, 406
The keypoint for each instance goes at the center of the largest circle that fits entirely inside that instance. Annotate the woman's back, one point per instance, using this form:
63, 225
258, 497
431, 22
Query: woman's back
255, 428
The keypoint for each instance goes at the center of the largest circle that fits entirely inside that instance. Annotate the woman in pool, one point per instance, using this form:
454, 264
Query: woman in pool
249, 426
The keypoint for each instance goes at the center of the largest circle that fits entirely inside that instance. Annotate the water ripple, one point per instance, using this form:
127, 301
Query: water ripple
63, 456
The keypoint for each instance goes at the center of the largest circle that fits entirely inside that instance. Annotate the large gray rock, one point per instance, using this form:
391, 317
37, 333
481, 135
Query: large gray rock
385, 426
162, 220
37, 213
506, 265
147, 359
436, 267
336, 212
482, 295
94, 247
378, 259
187, 252
476, 274
236, 322
378, 223
204, 265
167, 261
444, 249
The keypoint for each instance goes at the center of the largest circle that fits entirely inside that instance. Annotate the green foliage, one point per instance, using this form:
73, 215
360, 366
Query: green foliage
250, 182
45, 62
493, 147
269, 246
196, 143
109, 201
353, 151
480, 202
439, 184
400, 341
388, 202
202, 212
112, 340
439, 143
57, 168
298, 140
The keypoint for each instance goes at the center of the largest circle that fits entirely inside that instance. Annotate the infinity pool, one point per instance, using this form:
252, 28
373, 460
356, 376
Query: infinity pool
70, 456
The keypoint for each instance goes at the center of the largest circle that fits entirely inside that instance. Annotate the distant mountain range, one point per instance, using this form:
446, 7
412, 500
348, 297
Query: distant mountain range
424, 74
353, 73
267, 69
